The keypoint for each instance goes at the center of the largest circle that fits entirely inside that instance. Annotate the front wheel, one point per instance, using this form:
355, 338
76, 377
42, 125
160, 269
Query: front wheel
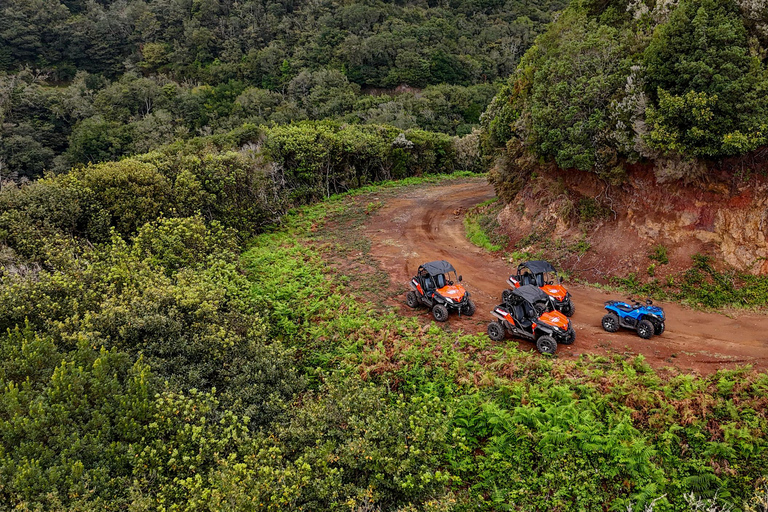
570, 309
440, 313
546, 345
505, 295
470, 308
611, 322
659, 328
570, 337
411, 299
645, 329
496, 331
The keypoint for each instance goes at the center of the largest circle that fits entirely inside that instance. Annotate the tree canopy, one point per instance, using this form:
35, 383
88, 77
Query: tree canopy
610, 83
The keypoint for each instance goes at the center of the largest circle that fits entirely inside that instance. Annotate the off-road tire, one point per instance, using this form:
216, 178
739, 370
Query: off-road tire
570, 337
469, 309
546, 345
440, 313
645, 329
659, 328
412, 299
570, 310
496, 331
505, 295
610, 322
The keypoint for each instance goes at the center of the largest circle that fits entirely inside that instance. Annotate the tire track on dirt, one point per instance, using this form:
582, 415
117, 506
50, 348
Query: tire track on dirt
420, 224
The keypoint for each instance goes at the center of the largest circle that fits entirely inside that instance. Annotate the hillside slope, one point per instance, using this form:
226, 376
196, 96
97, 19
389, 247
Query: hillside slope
163, 368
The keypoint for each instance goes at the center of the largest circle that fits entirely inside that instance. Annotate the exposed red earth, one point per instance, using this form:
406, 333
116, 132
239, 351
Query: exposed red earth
424, 223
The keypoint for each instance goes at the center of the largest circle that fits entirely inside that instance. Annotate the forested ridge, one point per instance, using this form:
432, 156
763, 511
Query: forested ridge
87, 81
680, 84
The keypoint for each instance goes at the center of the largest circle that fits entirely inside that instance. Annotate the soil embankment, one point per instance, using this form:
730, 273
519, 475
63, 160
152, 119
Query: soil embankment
423, 224
723, 216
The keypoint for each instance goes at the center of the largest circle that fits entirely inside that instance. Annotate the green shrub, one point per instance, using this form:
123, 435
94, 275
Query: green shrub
659, 254
590, 210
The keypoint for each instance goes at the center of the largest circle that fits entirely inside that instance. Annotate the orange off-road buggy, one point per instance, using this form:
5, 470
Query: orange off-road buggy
437, 287
542, 274
528, 313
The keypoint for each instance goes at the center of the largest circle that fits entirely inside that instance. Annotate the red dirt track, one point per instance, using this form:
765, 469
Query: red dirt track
421, 224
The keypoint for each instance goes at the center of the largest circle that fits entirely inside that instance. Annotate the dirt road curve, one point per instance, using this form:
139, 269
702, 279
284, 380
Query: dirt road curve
421, 225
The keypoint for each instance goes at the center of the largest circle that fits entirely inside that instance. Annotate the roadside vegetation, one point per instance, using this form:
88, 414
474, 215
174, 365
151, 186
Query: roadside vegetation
611, 83
703, 286
481, 225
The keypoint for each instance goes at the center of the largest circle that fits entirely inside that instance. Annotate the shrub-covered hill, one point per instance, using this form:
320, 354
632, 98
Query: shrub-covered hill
161, 369
245, 180
681, 83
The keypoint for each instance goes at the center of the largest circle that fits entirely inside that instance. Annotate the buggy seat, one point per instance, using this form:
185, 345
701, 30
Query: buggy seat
521, 315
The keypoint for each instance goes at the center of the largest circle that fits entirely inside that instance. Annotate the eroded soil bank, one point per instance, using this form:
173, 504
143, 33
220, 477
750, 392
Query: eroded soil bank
722, 217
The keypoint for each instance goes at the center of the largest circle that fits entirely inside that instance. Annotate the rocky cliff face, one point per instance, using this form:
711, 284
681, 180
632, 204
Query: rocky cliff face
726, 218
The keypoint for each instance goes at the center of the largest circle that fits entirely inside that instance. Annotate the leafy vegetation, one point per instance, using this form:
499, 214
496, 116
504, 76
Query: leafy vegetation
659, 254
703, 285
614, 82
175, 332
269, 42
481, 226
244, 180
93, 120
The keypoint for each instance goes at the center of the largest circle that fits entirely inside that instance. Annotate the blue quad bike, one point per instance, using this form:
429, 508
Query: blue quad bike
646, 319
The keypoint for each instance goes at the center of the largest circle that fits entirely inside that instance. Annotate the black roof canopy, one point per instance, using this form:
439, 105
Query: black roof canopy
436, 267
536, 266
530, 293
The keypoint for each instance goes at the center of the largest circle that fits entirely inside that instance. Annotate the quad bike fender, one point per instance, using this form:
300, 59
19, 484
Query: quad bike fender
555, 318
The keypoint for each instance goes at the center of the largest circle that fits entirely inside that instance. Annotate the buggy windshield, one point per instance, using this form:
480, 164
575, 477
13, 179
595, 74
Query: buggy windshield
444, 279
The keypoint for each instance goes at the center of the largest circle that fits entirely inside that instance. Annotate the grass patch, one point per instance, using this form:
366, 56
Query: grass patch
659, 254
482, 226
701, 286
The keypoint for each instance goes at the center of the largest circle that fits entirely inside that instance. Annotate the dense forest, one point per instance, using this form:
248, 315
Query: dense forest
681, 84
87, 81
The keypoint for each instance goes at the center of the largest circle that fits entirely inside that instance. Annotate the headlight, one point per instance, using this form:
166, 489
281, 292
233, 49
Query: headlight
449, 300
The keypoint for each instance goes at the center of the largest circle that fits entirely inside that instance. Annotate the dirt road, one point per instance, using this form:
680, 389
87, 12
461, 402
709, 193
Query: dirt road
422, 224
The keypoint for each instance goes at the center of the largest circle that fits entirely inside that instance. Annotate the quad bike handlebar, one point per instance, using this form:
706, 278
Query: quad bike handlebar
637, 304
